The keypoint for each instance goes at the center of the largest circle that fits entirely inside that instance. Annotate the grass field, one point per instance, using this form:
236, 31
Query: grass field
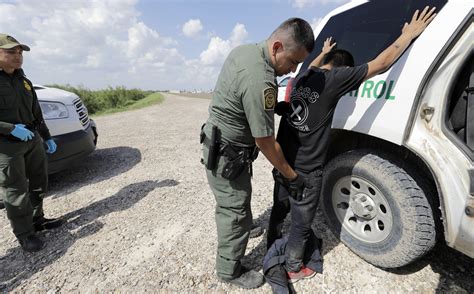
152, 99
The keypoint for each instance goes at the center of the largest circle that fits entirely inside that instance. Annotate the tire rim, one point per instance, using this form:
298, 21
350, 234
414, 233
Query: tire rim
362, 209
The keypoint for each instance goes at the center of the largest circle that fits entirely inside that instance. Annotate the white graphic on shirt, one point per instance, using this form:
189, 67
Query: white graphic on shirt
313, 97
296, 111
299, 107
299, 111
303, 92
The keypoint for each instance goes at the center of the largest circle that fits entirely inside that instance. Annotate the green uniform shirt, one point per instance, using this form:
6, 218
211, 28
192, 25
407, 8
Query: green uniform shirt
19, 104
244, 96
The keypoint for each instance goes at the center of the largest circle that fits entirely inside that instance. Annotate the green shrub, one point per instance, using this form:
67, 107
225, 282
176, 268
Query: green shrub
101, 100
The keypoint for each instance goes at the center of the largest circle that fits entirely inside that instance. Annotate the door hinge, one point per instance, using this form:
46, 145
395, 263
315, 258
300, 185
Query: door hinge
426, 112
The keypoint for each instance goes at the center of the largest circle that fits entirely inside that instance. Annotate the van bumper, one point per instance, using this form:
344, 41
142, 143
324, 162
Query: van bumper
72, 147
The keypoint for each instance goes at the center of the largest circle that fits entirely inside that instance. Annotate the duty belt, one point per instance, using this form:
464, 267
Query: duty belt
231, 150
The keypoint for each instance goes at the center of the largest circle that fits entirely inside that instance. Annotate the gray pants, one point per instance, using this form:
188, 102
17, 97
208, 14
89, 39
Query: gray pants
233, 217
23, 182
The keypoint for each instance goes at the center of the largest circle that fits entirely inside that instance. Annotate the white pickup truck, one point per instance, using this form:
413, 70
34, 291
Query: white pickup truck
400, 174
70, 126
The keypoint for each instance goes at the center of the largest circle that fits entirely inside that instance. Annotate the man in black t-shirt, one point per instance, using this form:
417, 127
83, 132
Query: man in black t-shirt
304, 133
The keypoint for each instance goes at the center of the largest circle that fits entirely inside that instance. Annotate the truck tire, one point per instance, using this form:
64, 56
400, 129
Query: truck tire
377, 210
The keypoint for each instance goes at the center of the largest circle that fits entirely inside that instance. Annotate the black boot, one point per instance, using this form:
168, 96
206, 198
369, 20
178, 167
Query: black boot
2, 205
256, 231
249, 279
31, 243
43, 223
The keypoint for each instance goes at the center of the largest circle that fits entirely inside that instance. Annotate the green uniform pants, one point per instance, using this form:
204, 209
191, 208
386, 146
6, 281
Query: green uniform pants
233, 217
23, 182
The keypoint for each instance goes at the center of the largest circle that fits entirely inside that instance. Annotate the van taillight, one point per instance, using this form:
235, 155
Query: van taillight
289, 87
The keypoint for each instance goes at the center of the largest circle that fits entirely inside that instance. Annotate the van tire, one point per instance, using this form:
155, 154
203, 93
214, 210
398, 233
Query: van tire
398, 229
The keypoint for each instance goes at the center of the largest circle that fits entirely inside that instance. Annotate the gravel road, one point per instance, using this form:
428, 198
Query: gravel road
140, 218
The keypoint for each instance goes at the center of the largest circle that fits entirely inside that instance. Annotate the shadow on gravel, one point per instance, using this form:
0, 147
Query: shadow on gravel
453, 267
254, 259
101, 165
18, 265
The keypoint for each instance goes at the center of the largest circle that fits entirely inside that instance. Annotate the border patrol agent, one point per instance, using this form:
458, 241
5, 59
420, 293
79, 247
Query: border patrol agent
241, 122
23, 170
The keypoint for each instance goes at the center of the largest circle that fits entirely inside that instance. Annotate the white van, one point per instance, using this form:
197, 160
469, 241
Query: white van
70, 126
400, 173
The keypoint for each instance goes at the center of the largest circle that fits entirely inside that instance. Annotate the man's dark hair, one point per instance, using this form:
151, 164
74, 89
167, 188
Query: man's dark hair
299, 30
339, 57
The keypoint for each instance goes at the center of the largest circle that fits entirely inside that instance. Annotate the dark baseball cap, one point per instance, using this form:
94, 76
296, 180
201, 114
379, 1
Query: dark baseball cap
8, 42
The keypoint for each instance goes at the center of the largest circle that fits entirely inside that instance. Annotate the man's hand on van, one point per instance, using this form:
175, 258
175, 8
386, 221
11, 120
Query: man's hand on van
419, 22
327, 47
411, 30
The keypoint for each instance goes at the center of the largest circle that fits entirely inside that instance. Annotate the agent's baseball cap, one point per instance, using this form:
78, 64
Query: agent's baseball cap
8, 42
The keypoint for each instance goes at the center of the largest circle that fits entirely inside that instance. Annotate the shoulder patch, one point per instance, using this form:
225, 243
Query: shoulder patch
269, 98
27, 86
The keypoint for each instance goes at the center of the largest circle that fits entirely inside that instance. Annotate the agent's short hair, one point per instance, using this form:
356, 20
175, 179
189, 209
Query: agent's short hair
338, 58
297, 31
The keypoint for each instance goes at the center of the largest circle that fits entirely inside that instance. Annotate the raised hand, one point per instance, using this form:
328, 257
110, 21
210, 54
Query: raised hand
419, 22
327, 46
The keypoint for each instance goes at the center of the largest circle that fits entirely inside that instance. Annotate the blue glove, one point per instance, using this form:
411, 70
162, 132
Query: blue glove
22, 133
51, 146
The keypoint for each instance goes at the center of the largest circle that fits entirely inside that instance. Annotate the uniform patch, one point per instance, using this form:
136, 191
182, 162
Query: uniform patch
27, 86
269, 98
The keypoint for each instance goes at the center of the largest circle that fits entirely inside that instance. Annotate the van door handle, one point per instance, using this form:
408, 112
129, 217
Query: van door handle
427, 112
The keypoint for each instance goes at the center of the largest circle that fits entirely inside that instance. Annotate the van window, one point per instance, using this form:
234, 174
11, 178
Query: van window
368, 29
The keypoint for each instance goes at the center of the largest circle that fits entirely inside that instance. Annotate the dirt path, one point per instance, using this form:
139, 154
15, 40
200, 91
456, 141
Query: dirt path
140, 218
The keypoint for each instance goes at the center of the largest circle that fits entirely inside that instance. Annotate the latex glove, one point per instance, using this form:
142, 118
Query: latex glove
282, 108
296, 187
51, 146
22, 133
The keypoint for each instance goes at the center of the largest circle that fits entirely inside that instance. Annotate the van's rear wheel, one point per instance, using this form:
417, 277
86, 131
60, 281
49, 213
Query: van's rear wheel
377, 209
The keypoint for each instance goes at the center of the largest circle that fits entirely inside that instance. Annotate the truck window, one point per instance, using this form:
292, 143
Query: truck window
368, 29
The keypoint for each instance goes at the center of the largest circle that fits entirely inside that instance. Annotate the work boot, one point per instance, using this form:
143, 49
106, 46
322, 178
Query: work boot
256, 231
304, 273
31, 243
43, 223
248, 279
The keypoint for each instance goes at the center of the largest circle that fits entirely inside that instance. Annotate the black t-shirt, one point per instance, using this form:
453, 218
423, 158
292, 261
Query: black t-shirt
304, 131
